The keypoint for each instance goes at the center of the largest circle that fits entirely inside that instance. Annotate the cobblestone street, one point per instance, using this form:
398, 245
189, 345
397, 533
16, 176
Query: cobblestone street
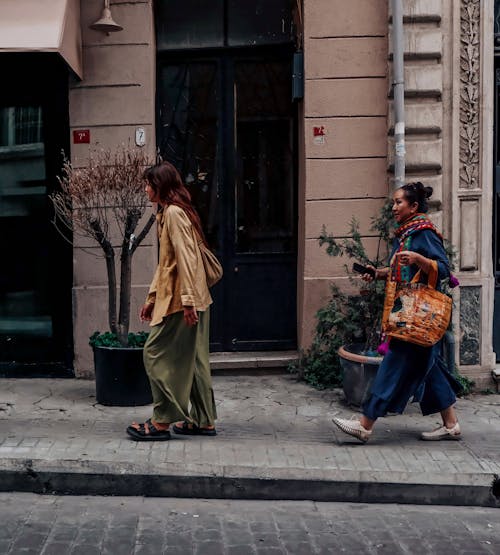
52, 525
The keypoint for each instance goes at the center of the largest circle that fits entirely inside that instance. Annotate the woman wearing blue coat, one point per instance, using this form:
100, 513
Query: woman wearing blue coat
410, 371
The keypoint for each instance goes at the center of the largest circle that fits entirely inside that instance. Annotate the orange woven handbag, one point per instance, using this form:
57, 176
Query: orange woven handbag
416, 312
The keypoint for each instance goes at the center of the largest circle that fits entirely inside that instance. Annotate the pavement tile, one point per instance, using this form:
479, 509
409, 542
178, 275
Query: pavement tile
269, 426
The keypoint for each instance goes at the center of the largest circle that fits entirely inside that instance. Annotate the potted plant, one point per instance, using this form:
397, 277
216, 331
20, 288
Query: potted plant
107, 197
344, 350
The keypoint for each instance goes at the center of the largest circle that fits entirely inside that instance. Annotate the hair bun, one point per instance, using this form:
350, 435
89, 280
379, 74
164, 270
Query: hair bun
428, 192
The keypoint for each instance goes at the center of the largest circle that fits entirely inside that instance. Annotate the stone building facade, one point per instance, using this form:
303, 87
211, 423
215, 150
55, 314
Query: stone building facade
449, 109
343, 145
449, 73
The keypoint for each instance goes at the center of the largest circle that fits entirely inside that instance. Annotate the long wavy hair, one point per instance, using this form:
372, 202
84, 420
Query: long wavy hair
166, 181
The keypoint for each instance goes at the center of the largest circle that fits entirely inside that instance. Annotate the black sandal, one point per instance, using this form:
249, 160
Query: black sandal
148, 432
189, 429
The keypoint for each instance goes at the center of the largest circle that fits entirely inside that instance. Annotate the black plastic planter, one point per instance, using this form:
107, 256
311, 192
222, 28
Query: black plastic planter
120, 377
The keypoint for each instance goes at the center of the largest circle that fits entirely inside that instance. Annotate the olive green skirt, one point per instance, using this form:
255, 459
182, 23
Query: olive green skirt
176, 358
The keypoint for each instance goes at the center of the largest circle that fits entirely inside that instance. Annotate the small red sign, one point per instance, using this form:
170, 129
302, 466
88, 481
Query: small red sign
81, 136
319, 131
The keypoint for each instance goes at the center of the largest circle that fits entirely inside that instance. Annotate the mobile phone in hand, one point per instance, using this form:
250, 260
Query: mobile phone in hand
360, 269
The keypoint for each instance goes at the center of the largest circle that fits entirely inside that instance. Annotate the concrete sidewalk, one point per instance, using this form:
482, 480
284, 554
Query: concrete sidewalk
276, 441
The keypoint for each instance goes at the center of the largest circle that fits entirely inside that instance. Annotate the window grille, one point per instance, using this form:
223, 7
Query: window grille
21, 125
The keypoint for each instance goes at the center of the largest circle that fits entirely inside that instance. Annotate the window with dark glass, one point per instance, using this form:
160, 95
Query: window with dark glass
497, 25
20, 125
264, 154
188, 24
24, 300
188, 121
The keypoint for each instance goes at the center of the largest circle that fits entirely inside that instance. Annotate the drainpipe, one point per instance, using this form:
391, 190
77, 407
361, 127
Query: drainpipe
399, 93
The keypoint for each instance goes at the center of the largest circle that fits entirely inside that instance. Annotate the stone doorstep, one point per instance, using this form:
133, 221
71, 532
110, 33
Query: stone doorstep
253, 360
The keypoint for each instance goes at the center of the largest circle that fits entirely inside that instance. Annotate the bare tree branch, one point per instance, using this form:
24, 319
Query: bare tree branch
145, 230
105, 201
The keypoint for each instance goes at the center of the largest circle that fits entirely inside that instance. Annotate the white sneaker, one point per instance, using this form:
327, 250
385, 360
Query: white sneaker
442, 433
353, 428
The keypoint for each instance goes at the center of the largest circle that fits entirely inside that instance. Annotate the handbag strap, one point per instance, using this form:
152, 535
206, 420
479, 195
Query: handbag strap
199, 240
432, 275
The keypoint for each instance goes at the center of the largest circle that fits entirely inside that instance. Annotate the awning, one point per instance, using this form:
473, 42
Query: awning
42, 26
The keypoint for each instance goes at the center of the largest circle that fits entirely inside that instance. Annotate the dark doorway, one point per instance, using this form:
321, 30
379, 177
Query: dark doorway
496, 181
496, 212
36, 276
228, 123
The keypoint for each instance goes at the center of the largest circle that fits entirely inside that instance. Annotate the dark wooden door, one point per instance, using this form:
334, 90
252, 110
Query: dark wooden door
496, 212
228, 124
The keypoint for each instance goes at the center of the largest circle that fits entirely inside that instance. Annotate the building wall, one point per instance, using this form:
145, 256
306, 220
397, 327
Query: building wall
448, 109
346, 93
472, 182
448, 89
345, 171
116, 95
424, 100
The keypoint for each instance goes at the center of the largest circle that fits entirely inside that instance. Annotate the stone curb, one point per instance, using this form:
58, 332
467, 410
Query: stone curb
102, 479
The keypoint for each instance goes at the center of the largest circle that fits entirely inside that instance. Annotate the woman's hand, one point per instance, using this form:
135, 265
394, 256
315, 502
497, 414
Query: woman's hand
407, 258
190, 316
380, 273
369, 277
146, 312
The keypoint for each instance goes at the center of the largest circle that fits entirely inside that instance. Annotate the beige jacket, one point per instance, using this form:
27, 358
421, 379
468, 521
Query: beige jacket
179, 279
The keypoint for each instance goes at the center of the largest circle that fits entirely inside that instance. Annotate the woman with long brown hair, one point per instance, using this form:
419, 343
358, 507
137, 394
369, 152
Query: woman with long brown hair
176, 353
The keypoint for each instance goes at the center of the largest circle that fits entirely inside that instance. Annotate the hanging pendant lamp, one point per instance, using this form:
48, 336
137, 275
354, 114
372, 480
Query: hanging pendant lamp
106, 24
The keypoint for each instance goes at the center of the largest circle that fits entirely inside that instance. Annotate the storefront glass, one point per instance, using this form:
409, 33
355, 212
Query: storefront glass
24, 303
36, 262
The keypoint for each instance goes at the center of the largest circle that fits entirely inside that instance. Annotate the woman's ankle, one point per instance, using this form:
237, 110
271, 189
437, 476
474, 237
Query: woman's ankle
367, 423
160, 425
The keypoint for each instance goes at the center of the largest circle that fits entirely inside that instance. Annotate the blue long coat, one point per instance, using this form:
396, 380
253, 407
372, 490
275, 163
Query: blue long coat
410, 371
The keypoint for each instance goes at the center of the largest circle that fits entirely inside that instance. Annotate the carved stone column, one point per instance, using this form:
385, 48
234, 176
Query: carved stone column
472, 183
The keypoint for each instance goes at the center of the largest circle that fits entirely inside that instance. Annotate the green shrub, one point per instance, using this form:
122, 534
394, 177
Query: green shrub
355, 318
466, 383
347, 318
108, 339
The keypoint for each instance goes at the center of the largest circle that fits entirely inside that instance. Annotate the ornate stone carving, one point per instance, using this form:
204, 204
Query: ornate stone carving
470, 326
470, 14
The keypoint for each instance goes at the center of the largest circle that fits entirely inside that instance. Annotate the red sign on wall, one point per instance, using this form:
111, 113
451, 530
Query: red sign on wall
81, 136
319, 131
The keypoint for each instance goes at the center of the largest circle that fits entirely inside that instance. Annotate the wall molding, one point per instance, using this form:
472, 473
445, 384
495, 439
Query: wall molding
470, 78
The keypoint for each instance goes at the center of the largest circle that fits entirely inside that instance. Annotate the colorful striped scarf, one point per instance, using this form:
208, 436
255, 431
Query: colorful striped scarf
403, 233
